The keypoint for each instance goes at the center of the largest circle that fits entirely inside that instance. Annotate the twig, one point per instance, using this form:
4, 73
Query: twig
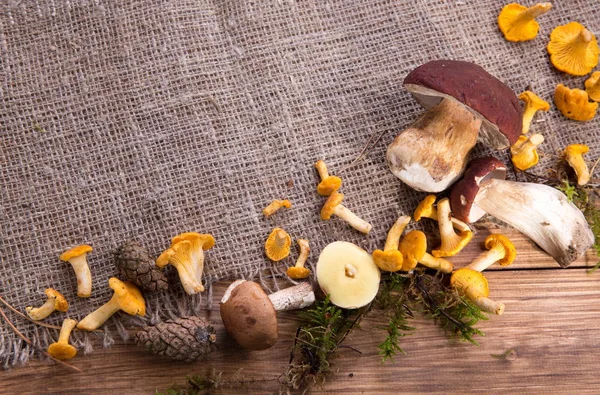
594, 166
363, 152
26, 340
27, 317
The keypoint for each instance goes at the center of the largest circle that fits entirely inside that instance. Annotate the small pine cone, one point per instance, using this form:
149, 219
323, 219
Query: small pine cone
136, 265
184, 339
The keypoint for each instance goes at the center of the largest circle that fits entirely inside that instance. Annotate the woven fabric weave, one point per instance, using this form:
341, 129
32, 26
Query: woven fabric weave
142, 119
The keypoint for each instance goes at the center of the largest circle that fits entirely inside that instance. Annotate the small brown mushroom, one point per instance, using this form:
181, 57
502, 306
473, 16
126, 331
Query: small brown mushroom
249, 315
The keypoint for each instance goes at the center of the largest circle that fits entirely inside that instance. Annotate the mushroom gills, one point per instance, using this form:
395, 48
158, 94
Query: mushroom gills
542, 213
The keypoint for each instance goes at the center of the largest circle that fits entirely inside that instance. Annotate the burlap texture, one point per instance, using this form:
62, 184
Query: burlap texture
144, 119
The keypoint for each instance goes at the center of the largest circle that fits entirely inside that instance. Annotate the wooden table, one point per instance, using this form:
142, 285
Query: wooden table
551, 324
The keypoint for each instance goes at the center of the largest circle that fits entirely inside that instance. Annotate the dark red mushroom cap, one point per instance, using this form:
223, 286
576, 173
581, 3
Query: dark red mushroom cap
462, 196
488, 97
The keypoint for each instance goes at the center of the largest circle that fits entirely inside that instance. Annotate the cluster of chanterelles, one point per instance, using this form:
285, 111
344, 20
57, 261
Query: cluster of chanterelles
465, 103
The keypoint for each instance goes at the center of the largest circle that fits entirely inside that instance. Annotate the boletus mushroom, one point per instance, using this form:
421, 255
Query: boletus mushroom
249, 314
464, 103
541, 212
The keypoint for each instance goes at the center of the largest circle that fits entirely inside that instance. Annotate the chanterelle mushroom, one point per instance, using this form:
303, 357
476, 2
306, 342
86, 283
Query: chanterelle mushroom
524, 152
127, 297
452, 243
592, 86
77, 258
249, 315
464, 103
474, 286
275, 205
333, 205
574, 157
62, 349
533, 104
573, 49
518, 23
499, 249
574, 103
328, 184
277, 245
348, 275
200, 242
390, 259
298, 271
55, 301
426, 209
413, 247
539, 211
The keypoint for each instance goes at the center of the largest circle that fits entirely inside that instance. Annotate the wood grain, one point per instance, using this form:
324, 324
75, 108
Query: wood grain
552, 324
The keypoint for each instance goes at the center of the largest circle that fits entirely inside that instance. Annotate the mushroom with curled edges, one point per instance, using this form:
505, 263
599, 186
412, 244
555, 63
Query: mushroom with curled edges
127, 297
451, 243
329, 183
574, 157
574, 103
524, 153
474, 286
55, 301
298, 271
518, 23
249, 315
541, 212
426, 209
413, 247
390, 259
465, 103
77, 257
499, 249
533, 104
61, 349
573, 49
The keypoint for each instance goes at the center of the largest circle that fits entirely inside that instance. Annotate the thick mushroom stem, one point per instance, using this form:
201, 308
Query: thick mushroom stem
452, 243
393, 237
352, 219
39, 313
99, 316
321, 169
487, 258
441, 264
83, 274
293, 298
65, 330
542, 213
488, 305
533, 12
574, 157
432, 153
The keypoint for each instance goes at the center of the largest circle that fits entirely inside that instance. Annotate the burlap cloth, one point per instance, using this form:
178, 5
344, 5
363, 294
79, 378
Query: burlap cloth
144, 119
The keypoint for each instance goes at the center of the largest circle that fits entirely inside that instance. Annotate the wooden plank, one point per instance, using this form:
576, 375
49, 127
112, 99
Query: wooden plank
552, 322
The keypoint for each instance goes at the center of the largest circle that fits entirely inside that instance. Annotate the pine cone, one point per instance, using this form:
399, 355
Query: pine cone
184, 339
136, 265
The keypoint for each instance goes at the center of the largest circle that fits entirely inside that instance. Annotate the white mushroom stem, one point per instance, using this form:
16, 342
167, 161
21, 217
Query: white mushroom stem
98, 317
83, 274
322, 169
304, 251
487, 259
542, 213
395, 232
39, 313
352, 219
489, 305
292, 298
65, 330
441, 264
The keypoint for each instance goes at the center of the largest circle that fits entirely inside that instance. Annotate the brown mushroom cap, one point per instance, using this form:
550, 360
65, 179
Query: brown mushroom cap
463, 193
485, 95
249, 316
